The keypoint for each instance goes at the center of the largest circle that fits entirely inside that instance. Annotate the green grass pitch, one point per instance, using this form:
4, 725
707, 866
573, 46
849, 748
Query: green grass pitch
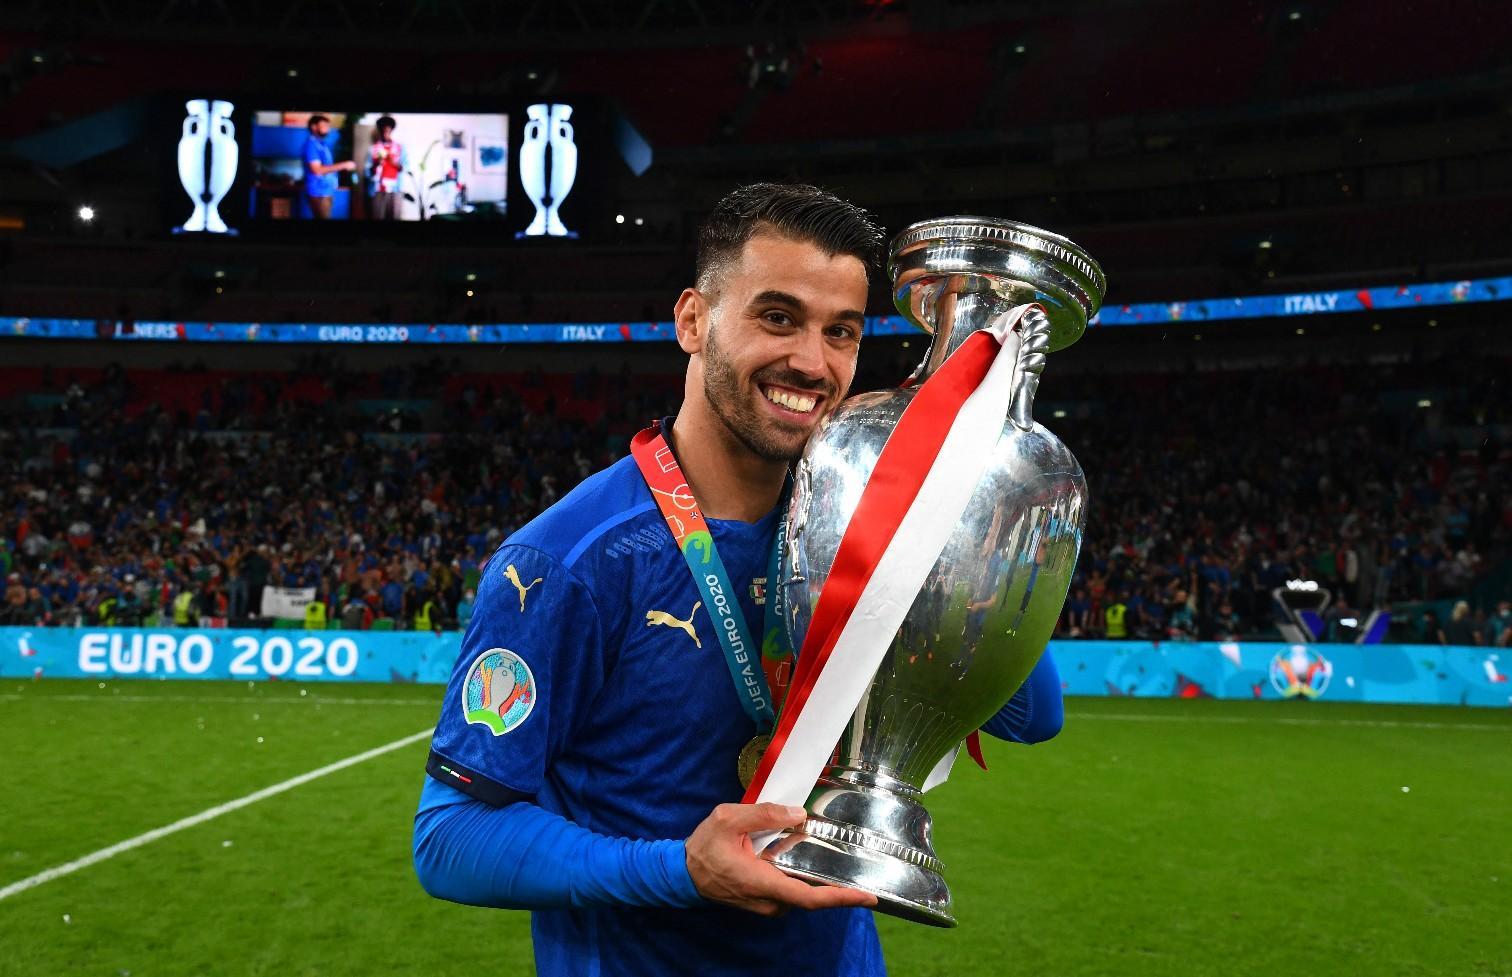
1153, 837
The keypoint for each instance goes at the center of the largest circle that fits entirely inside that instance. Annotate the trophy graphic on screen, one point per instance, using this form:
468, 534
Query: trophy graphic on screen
548, 167
207, 157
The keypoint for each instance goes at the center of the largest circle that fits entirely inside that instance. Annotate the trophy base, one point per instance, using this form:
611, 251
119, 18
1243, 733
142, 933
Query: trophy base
872, 839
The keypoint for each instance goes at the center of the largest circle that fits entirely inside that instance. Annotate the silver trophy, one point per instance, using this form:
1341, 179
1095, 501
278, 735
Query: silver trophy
990, 603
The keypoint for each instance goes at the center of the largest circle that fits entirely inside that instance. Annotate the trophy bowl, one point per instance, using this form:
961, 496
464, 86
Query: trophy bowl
990, 602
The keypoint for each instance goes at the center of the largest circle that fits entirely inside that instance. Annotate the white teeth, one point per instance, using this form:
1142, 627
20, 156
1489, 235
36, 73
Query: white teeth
791, 401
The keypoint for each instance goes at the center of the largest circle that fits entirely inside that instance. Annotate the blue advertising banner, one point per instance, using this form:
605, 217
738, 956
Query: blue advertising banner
1142, 314
1387, 297
1422, 674
305, 332
176, 653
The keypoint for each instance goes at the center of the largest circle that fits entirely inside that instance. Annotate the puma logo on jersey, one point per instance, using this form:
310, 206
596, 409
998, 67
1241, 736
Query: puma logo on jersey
513, 576
653, 618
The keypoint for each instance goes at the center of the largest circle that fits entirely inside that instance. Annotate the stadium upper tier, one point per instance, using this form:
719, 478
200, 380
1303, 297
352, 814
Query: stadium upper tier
806, 82
385, 491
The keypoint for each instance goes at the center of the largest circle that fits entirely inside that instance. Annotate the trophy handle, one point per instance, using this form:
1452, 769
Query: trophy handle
1034, 345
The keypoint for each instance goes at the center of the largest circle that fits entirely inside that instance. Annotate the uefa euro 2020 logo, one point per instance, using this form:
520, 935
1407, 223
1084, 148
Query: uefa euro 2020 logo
499, 691
1300, 670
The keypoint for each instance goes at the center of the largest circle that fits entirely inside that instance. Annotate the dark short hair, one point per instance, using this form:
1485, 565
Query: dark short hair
387, 120
317, 117
794, 210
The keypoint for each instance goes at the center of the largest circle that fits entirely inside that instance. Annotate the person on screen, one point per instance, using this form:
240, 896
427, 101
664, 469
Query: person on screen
320, 168
387, 160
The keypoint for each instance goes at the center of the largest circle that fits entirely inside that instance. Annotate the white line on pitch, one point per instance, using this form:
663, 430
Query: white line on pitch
212, 699
61, 870
1285, 721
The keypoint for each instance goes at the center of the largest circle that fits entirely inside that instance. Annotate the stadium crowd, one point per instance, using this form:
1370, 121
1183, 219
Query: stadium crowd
1211, 489
117, 510
119, 513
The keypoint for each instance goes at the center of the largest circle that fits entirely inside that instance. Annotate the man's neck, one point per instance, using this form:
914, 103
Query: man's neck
727, 478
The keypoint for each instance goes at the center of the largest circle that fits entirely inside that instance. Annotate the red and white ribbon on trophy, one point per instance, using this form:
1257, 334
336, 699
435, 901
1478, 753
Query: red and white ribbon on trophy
920, 486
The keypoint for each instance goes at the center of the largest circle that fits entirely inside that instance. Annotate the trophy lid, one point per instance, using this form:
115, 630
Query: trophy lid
1017, 261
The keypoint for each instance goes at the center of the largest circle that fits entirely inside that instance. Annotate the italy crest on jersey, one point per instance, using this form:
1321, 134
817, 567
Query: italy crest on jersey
499, 691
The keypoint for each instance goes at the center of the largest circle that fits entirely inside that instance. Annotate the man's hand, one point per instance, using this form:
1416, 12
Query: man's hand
726, 869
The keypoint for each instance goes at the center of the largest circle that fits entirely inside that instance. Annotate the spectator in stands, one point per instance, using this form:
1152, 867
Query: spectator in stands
1078, 610
1226, 623
1498, 629
1117, 628
1181, 612
257, 568
15, 599
1460, 630
1432, 632
357, 615
465, 608
237, 589
185, 607
129, 610
428, 613
391, 593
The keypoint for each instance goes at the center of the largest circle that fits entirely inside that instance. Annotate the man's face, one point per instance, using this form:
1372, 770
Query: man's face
321, 128
385, 133
778, 352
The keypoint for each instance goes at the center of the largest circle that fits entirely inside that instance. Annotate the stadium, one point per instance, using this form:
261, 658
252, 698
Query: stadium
326, 330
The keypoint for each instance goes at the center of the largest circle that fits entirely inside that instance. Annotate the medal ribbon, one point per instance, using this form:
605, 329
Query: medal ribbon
755, 670
922, 481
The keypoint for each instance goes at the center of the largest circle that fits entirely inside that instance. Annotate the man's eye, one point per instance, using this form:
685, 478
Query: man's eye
842, 332
779, 318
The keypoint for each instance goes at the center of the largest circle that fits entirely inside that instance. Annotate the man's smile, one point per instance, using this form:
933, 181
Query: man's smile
792, 401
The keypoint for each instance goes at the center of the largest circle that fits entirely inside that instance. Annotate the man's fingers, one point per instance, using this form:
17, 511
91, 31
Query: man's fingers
747, 818
722, 872
773, 884
795, 892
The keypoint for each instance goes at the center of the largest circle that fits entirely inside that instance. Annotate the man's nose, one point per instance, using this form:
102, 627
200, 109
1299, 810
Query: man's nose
807, 353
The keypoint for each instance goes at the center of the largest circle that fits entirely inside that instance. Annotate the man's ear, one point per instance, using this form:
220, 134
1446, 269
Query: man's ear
691, 316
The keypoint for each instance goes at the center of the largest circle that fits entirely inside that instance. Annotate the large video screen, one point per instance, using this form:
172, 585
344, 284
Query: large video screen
482, 171
314, 165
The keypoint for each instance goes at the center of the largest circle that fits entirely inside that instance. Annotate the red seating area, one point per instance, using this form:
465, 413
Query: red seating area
565, 397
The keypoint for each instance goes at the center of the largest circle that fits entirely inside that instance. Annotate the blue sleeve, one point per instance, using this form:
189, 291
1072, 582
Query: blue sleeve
532, 660
524, 857
312, 151
1035, 712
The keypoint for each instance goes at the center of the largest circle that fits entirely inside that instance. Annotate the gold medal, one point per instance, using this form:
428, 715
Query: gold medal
750, 758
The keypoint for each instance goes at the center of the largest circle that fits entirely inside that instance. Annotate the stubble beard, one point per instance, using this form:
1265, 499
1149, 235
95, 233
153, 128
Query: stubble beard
723, 392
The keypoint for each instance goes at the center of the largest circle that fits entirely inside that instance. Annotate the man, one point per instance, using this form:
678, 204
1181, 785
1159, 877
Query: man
387, 160
320, 169
591, 714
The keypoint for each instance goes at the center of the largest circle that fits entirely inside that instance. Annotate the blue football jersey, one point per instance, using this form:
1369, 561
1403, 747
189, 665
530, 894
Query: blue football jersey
591, 682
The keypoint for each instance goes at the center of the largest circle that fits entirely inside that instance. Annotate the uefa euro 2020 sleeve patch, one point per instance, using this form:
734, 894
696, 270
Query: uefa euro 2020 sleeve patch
499, 692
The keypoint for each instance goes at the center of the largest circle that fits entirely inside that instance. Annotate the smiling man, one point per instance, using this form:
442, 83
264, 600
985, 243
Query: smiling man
613, 686
587, 753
